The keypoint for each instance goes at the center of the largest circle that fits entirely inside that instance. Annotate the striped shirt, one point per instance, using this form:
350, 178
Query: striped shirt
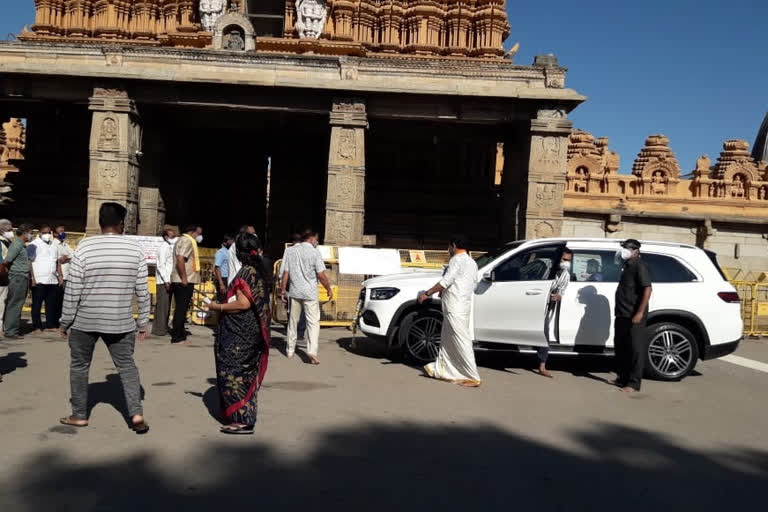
105, 273
560, 284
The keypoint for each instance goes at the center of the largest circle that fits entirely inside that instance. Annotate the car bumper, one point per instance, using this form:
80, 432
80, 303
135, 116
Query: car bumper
720, 350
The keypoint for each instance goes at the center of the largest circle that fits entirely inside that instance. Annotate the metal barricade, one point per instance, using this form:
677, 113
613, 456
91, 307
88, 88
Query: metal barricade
754, 306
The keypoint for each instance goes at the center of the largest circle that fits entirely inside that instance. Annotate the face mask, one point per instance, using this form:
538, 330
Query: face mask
623, 254
565, 266
199, 239
10, 235
45, 237
171, 240
62, 235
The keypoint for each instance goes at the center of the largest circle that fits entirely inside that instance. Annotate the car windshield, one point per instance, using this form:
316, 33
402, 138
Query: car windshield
492, 256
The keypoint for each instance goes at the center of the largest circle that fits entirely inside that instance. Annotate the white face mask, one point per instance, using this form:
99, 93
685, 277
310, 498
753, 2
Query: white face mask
171, 240
199, 239
45, 237
623, 254
565, 266
10, 235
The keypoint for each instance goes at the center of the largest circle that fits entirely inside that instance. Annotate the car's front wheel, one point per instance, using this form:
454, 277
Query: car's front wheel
419, 335
672, 352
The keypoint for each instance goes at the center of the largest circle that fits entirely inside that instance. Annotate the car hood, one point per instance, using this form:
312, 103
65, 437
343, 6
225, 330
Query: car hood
404, 279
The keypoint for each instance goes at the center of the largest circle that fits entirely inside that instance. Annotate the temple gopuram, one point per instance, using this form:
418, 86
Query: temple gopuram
388, 123
376, 120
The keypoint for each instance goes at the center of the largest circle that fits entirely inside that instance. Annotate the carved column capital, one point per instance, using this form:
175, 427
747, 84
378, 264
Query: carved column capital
552, 120
349, 112
111, 99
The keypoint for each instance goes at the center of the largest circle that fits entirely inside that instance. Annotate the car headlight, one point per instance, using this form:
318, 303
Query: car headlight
383, 293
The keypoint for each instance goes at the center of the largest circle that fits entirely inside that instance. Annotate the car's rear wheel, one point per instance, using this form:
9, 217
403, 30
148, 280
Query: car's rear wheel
672, 352
419, 335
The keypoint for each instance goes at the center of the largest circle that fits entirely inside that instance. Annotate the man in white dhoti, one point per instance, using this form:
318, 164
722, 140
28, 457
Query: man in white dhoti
456, 358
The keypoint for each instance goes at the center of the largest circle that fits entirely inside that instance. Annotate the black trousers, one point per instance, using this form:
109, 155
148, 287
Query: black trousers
49, 294
630, 344
182, 296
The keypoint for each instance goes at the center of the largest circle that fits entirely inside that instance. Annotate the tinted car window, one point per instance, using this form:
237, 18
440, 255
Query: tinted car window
665, 269
536, 264
595, 266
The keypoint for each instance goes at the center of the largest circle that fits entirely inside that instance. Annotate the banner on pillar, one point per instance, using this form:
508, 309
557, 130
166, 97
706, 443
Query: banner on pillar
149, 246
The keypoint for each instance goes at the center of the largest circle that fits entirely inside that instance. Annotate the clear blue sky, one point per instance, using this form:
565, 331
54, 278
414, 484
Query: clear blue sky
695, 70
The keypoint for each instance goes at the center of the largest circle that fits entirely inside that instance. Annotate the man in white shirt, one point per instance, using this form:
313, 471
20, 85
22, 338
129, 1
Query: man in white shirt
304, 267
165, 262
456, 358
45, 280
65, 254
556, 292
233, 264
6, 237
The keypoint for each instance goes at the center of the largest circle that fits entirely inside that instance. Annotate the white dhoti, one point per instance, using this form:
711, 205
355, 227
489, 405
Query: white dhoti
456, 358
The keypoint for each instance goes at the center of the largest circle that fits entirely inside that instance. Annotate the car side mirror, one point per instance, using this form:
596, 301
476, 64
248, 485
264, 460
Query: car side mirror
488, 276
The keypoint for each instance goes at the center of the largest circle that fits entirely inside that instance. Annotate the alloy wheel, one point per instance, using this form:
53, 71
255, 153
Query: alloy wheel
670, 353
423, 339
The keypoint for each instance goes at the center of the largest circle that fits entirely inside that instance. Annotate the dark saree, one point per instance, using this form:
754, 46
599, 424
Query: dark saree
242, 349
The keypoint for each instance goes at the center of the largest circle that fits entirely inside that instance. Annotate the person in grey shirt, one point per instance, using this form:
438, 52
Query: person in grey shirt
106, 272
303, 268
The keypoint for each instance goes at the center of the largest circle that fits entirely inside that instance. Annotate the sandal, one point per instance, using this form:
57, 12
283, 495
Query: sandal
141, 427
237, 429
73, 422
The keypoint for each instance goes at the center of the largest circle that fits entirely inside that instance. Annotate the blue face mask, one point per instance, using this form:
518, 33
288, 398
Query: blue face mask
62, 236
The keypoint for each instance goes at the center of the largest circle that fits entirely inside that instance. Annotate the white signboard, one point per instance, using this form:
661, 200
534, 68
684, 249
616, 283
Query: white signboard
149, 245
371, 262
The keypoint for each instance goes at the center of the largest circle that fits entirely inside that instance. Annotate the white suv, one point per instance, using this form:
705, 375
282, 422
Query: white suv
694, 311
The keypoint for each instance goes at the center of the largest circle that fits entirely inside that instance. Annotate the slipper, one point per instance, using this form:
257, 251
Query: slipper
313, 360
141, 427
237, 430
72, 422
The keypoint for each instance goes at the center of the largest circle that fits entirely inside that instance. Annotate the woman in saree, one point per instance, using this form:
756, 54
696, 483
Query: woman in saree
242, 340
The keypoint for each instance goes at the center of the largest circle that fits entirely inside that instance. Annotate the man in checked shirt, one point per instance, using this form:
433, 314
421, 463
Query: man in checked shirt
559, 285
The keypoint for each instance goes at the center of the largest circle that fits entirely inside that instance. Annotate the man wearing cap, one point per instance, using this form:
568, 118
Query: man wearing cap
632, 297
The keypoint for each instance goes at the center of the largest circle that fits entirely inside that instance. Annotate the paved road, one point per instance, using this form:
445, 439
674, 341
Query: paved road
360, 432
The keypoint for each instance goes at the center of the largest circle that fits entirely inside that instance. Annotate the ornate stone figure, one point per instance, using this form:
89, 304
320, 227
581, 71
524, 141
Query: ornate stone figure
310, 18
703, 164
108, 137
347, 146
658, 183
581, 183
761, 193
234, 41
737, 187
210, 10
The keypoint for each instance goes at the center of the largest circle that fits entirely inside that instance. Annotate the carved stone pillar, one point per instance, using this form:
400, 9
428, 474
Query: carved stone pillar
345, 200
151, 211
114, 147
547, 169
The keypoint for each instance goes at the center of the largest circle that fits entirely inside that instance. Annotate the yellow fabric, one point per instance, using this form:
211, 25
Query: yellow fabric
195, 250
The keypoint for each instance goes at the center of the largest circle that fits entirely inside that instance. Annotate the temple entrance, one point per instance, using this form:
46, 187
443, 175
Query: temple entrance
218, 167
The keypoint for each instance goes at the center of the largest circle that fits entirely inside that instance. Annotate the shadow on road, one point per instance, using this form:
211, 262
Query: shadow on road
109, 392
376, 467
12, 361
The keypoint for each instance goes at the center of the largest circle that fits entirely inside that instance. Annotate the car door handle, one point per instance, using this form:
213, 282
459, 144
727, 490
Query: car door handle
533, 292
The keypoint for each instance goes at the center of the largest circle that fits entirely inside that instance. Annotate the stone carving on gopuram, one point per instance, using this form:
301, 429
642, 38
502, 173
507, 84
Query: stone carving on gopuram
735, 183
210, 11
475, 28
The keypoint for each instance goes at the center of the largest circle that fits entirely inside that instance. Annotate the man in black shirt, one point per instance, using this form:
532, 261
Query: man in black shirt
632, 297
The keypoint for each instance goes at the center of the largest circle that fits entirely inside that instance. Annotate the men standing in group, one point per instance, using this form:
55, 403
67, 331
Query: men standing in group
221, 268
6, 238
164, 270
233, 264
556, 292
65, 254
186, 274
304, 267
456, 357
46, 279
18, 281
107, 271
632, 297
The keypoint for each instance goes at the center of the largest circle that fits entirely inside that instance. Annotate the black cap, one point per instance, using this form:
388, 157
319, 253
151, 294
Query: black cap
631, 243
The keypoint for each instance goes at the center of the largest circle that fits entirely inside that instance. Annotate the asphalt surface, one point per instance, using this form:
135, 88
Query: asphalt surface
366, 433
